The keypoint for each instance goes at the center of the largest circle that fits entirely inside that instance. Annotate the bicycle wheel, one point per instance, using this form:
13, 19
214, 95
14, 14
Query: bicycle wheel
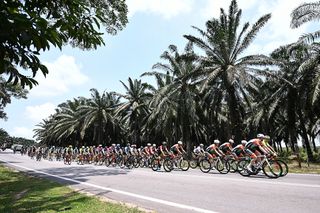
272, 169
205, 165
285, 168
193, 164
136, 163
233, 165
107, 162
155, 165
184, 164
242, 167
168, 165
222, 166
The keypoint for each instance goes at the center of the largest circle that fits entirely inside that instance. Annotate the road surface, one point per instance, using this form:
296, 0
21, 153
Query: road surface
191, 191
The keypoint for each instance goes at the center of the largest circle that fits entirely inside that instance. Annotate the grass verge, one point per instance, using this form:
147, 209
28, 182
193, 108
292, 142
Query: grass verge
313, 168
23, 193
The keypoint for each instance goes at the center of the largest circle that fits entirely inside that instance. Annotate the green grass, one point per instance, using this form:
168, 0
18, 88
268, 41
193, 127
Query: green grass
314, 168
23, 193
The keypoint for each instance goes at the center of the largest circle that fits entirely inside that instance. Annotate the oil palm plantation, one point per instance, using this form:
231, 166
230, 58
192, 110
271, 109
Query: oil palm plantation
224, 42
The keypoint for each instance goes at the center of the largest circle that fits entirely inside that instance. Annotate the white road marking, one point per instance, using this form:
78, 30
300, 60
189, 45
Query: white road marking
156, 200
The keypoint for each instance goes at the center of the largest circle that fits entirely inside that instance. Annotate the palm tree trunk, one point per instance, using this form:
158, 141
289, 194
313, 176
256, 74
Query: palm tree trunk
291, 109
279, 144
305, 135
314, 143
235, 117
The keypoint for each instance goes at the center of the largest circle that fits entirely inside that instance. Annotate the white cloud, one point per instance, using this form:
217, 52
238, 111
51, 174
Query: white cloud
164, 8
39, 112
63, 74
22, 132
275, 33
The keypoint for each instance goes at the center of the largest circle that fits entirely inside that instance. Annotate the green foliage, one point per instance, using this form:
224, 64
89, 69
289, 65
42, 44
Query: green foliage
223, 41
22, 193
8, 91
4, 136
22, 141
29, 27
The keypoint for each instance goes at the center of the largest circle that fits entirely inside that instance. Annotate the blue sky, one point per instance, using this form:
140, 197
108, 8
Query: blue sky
153, 26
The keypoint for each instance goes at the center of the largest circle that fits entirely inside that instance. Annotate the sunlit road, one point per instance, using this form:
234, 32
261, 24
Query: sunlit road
191, 191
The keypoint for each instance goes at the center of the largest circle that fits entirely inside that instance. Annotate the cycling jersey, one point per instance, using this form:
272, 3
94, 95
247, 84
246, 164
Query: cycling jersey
163, 149
145, 151
253, 145
198, 150
238, 150
212, 149
226, 147
175, 149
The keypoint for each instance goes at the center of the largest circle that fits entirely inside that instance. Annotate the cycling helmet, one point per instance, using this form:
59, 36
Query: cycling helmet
201, 145
260, 136
128, 144
133, 145
148, 144
82, 147
154, 145
70, 145
164, 143
216, 141
100, 144
113, 144
180, 142
231, 141
244, 142
267, 137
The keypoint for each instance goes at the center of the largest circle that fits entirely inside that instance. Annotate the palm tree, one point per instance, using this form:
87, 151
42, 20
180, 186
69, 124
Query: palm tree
292, 89
303, 14
98, 114
223, 44
68, 122
135, 109
174, 104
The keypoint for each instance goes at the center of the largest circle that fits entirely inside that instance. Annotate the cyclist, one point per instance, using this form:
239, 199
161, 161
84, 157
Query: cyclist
163, 150
254, 148
177, 148
226, 147
239, 150
146, 149
199, 151
213, 150
134, 150
265, 144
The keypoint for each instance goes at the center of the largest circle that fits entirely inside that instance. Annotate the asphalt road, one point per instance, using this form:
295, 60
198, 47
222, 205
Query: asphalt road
191, 191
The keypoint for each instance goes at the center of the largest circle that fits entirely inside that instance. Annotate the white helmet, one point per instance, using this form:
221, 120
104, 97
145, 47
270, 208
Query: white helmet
180, 142
260, 136
148, 144
244, 142
231, 141
201, 145
154, 145
216, 141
